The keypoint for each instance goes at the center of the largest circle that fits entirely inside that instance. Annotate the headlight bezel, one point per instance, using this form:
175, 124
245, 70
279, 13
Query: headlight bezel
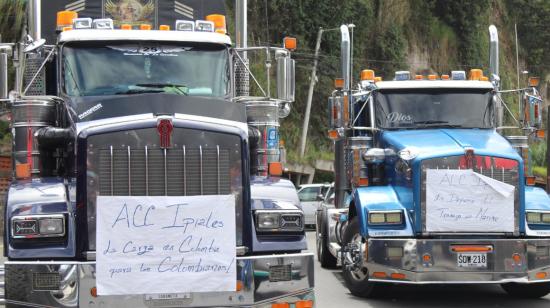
285, 221
385, 215
37, 221
538, 218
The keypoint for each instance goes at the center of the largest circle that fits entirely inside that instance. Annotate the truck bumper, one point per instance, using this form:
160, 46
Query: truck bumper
426, 261
262, 280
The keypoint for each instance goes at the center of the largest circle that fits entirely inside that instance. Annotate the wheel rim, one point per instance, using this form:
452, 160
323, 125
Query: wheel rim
354, 257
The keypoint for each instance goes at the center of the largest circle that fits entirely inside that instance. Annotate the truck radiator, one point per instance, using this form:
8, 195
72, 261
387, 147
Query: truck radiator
184, 171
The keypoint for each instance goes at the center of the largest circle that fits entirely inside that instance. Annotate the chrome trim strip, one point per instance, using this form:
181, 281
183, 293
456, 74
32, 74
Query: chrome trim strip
146, 171
129, 172
150, 35
112, 184
241, 125
184, 172
200, 163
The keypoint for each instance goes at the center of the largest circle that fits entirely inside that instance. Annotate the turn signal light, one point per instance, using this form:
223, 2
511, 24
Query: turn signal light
530, 180
164, 27
541, 275
93, 292
427, 258
280, 305
380, 275
125, 27
377, 79
444, 77
418, 77
22, 171
240, 286
367, 75
144, 27
290, 43
363, 181
541, 133
484, 78
67, 29
304, 304
517, 258
398, 276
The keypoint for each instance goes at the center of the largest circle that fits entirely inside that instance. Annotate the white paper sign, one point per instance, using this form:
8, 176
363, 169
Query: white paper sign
466, 201
165, 244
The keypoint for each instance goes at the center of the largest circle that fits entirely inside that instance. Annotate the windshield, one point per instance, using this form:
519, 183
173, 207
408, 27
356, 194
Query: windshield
434, 108
93, 69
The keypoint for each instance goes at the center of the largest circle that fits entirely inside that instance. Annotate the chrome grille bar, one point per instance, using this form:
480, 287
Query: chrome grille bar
184, 173
200, 164
218, 166
129, 172
146, 172
112, 171
165, 175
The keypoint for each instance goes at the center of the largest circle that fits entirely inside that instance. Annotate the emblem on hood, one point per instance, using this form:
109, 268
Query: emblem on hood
165, 128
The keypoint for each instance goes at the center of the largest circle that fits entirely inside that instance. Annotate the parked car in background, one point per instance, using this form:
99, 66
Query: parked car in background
310, 197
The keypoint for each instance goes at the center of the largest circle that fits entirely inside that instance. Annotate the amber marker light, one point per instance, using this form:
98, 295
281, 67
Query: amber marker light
541, 133
333, 134
280, 305
445, 77
380, 275
125, 27
67, 29
484, 78
144, 27
240, 286
471, 248
475, 74
541, 275
398, 276
164, 27
432, 77
290, 43
530, 180
534, 81
93, 292
339, 83
418, 77
377, 79
275, 168
304, 304
65, 18
367, 75
219, 23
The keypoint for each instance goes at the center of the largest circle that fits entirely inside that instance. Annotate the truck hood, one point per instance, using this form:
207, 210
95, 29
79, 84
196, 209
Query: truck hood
445, 142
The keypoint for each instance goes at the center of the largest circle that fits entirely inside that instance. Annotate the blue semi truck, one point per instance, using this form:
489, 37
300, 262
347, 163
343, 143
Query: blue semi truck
429, 187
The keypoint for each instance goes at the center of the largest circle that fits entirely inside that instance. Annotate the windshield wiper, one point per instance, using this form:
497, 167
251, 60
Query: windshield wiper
432, 123
167, 87
139, 91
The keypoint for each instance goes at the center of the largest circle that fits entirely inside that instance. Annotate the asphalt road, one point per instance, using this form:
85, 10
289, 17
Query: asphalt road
330, 292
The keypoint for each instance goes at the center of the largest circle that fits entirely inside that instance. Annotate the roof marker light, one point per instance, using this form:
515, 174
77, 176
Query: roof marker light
367, 75
475, 74
144, 27
219, 23
484, 78
82, 23
290, 43
103, 24
65, 19
432, 77
204, 26
458, 75
444, 77
402, 75
164, 28
125, 27
418, 77
185, 25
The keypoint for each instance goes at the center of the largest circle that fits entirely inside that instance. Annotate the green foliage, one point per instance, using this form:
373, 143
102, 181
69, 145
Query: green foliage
538, 153
11, 19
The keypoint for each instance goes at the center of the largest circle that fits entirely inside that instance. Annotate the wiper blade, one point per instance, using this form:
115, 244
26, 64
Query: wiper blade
435, 123
161, 85
139, 91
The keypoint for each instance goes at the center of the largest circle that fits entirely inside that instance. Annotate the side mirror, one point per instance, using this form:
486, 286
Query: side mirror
285, 76
320, 197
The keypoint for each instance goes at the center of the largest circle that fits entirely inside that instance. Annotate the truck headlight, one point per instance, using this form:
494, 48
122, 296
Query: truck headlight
279, 221
538, 217
386, 217
34, 226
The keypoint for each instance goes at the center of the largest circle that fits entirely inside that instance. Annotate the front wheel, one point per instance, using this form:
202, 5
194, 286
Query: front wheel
324, 256
534, 290
355, 274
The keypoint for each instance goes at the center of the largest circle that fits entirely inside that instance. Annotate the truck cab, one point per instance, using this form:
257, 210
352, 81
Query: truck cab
428, 190
140, 177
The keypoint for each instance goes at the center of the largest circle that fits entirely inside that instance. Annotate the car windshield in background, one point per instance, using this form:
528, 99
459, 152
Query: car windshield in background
93, 69
455, 108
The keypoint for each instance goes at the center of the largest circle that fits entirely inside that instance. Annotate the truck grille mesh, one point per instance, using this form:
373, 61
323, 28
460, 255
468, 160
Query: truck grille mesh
164, 172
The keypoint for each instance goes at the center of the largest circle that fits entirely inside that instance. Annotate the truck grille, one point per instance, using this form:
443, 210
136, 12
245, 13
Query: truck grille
164, 172
500, 169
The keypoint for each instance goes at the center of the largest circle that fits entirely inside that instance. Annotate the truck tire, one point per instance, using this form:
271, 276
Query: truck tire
357, 281
17, 286
324, 256
534, 290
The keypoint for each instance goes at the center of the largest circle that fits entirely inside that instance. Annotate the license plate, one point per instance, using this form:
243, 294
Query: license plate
475, 260
168, 299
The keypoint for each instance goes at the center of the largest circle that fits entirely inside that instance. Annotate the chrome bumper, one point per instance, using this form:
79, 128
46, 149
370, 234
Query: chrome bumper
412, 268
264, 280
